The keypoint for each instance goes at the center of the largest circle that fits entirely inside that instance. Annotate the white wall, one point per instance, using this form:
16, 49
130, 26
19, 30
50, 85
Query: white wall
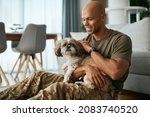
116, 12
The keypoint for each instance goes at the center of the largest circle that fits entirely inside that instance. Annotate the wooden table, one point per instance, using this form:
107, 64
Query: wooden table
17, 36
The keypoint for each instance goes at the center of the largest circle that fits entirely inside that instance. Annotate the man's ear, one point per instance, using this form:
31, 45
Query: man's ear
103, 17
57, 49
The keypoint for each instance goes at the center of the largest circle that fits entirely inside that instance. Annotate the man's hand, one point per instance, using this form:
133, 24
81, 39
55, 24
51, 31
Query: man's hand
96, 76
85, 45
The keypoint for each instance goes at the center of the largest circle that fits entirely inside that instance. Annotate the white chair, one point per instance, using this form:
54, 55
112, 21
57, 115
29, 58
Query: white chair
33, 41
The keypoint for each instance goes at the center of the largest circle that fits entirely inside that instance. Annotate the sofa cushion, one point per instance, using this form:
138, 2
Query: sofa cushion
115, 27
139, 33
78, 35
140, 63
138, 83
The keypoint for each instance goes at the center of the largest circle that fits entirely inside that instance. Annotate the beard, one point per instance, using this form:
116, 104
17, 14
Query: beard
93, 29
89, 30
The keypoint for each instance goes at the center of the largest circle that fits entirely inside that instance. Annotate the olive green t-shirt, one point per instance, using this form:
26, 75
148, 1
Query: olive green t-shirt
114, 45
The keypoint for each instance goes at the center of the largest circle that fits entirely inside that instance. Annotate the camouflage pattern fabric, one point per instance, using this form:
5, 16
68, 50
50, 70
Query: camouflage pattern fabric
49, 86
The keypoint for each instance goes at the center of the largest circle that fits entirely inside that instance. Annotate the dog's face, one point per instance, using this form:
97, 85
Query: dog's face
69, 47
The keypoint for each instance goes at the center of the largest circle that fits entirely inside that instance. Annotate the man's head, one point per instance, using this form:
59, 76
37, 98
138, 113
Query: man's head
93, 16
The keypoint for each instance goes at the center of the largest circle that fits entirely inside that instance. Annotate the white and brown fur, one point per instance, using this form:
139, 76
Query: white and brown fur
76, 56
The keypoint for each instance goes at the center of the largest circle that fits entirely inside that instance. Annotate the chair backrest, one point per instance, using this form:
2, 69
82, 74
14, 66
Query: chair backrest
3, 44
33, 39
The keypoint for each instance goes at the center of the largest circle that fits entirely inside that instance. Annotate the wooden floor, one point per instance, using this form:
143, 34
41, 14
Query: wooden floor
130, 95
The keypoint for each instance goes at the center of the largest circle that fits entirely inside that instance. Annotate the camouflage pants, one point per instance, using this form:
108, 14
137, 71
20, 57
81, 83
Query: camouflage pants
49, 86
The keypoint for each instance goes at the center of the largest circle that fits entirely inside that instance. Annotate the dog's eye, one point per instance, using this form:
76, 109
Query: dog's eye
63, 45
73, 45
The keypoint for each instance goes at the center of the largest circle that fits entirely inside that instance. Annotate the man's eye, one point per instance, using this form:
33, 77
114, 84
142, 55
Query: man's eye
90, 19
83, 19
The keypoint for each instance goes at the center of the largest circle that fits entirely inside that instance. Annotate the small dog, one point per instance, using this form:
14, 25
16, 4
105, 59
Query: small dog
76, 56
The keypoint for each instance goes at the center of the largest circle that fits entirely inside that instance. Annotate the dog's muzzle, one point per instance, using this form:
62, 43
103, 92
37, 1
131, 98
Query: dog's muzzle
68, 48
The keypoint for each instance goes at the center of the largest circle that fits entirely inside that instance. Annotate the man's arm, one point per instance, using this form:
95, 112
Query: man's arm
93, 73
79, 72
114, 68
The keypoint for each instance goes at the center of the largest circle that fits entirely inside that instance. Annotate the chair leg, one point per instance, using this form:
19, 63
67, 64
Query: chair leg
41, 58
0, 80
29, 69
4, 76
34, 65
19, 58
41, 66
27, 60
19, 68
27, 65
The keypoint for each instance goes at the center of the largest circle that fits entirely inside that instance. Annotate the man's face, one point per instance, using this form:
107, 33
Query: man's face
92, 21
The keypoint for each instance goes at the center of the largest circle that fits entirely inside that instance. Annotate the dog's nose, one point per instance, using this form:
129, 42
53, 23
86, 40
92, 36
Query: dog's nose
68, 46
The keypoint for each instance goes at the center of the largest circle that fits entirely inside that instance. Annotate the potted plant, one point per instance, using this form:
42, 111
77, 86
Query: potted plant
145, 13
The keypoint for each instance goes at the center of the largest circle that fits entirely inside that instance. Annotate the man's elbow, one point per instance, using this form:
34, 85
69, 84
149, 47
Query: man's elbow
116, 75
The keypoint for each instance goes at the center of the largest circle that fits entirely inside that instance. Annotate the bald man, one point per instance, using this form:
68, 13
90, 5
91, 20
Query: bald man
110, 50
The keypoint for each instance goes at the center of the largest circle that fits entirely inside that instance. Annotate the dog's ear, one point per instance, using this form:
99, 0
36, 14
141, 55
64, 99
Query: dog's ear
80, 50
57, 49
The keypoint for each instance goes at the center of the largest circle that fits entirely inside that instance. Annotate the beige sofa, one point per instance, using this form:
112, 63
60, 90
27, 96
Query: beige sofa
139, 76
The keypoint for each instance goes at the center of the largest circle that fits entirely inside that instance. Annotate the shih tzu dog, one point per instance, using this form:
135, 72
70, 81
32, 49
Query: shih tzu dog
76, 56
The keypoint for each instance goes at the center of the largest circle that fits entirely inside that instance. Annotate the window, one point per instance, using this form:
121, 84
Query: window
22, 12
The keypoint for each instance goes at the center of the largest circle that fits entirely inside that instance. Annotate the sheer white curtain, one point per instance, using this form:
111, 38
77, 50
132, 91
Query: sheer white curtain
23, 12
11, 12
44, 11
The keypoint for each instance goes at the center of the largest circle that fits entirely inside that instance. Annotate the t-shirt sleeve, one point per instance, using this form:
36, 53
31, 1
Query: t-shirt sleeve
122, 48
